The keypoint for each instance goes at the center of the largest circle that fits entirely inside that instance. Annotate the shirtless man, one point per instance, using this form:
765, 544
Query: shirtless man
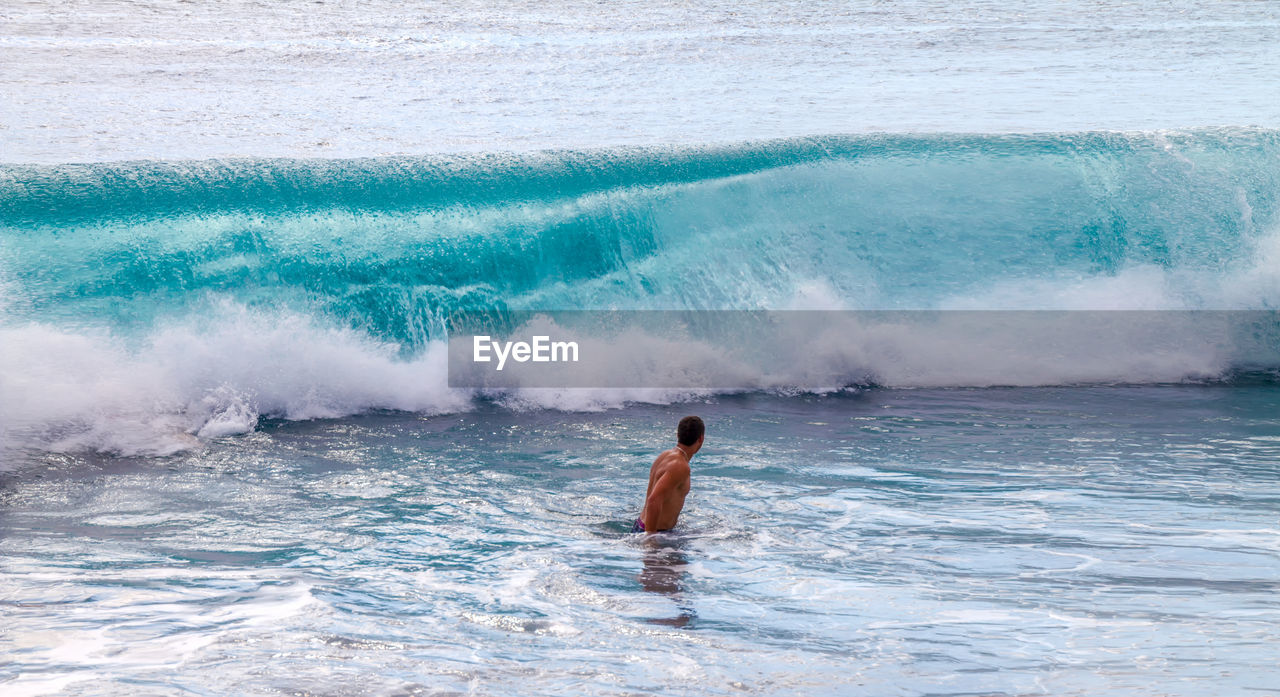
669, 479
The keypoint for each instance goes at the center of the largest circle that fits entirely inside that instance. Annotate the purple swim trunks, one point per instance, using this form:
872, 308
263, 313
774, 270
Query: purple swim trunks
637, 526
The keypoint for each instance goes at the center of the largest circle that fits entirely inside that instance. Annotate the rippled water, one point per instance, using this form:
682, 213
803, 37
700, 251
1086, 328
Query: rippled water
152, 79
1064, 541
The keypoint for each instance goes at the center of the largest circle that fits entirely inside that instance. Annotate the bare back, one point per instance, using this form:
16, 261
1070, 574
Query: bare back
668, 487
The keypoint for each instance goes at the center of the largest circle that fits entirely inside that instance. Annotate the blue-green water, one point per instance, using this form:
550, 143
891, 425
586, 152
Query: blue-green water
1181, 219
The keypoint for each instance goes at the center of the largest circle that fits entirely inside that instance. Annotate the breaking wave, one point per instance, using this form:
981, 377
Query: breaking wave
145, 306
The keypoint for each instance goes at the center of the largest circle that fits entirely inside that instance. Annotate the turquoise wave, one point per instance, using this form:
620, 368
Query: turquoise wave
390, 246
146, 306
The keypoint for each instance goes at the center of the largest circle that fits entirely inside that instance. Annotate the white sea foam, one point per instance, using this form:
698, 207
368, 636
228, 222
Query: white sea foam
66, 390
71, 390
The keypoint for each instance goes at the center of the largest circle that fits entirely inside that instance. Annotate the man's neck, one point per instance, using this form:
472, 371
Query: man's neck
688, 455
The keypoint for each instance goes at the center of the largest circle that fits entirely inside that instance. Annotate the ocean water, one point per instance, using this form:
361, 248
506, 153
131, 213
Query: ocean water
1062, 541
170, 79
233, 237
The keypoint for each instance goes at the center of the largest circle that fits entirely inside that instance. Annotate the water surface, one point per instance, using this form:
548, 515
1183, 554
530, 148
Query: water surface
1063, 541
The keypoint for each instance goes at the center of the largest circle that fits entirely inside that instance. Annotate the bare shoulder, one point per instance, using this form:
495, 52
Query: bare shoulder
677, 463
671, 461
660, 462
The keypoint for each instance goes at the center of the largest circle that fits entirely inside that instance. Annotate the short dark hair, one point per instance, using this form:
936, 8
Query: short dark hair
690, 430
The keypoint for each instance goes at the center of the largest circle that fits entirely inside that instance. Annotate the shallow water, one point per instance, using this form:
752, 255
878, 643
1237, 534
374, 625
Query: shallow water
1065, 541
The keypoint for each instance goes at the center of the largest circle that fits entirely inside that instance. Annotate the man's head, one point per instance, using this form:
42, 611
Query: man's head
689, 433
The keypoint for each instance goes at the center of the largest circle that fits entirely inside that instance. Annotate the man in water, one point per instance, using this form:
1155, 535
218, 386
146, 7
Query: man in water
669, 479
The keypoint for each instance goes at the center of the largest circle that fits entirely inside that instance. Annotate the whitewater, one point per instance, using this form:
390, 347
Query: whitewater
1019, 436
